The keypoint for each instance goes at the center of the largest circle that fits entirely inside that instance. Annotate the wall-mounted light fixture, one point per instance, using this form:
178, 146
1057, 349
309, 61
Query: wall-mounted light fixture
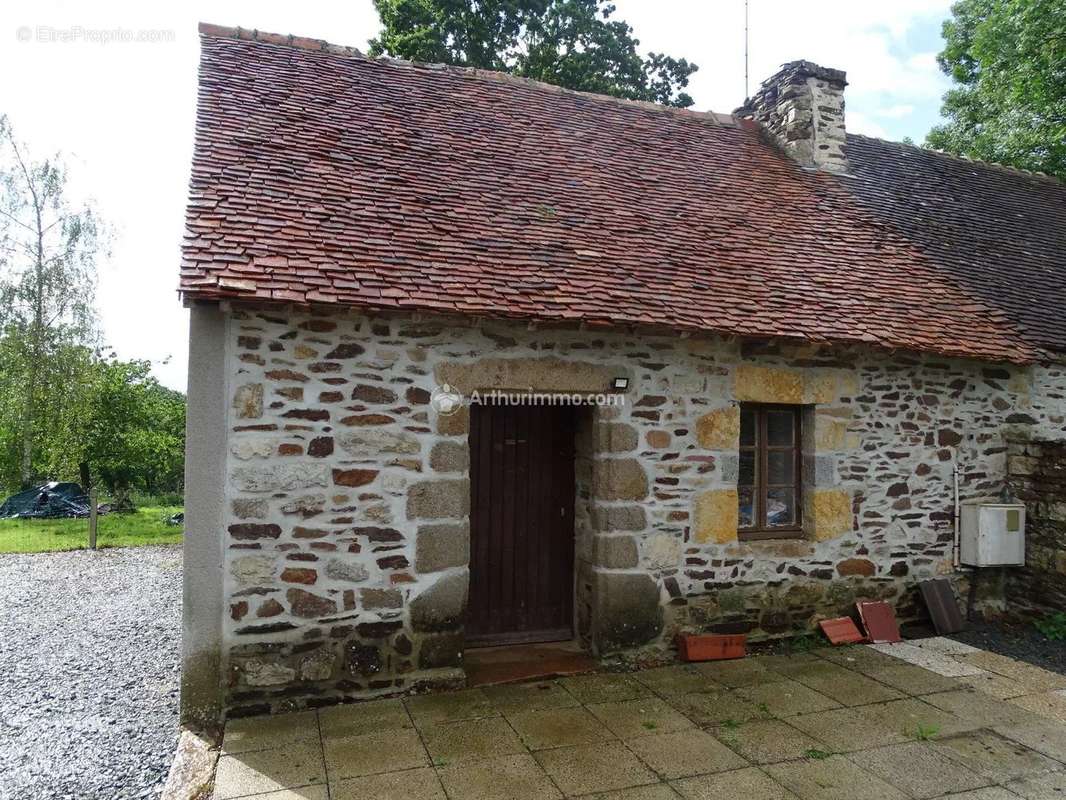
620, 384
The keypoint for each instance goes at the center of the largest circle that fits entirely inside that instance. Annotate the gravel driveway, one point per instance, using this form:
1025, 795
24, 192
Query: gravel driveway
89, 667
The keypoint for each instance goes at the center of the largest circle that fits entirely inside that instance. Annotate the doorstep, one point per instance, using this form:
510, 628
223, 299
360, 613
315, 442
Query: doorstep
486, 666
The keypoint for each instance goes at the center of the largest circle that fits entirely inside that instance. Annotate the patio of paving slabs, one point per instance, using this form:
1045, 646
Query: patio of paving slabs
933, 718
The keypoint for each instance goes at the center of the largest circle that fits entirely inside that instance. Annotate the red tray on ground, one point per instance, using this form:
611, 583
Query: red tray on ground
711, 647
841, 630
879, 620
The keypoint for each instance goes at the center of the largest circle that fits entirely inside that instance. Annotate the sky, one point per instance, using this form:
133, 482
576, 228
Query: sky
112, 85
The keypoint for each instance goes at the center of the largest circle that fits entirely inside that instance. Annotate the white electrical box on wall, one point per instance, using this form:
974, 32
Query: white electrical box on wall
992, 534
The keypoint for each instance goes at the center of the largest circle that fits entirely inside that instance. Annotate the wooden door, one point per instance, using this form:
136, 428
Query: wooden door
521, 524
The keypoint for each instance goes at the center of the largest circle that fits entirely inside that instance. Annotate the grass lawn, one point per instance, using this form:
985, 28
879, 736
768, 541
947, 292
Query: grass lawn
147, 526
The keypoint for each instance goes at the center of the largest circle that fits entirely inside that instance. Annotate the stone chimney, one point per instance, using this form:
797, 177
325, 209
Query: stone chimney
802, 107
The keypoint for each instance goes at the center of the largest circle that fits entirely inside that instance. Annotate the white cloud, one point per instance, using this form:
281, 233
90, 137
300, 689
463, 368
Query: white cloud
124, 112
895, 112
868, 40
858, 122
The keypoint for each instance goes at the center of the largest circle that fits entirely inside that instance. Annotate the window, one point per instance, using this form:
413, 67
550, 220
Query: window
768, 483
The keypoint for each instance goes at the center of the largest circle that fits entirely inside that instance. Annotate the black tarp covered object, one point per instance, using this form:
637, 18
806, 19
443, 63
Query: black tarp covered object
48, 500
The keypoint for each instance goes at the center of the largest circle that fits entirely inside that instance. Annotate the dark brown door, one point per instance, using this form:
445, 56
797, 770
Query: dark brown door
521, 524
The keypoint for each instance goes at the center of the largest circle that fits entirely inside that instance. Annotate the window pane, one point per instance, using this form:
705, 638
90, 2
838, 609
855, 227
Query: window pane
746, 475
747, 507
781, 467
781, 508
779, 425
747, 427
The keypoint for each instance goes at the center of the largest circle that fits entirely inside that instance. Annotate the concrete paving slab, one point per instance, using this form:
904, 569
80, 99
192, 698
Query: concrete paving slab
768, 741
842, 730
823, 647
303, 793
355, 719
1051, 705
371, 753
261, 771
514, 698
833, 778
472, 740
987, 793
264, 733
412, 784
919, 769
1045, 787
717, 708
647, 716
1036, 679
685, 753
995, 685
1046, 737
944, 646
913, 717
677, 680
911, 679
788, 697
847, 687
859, 656
503, 778
997, 758
656, 791
590, 689
941, 664
750, 784
787, 661
739, 672
1033, 678
592, 768
432, 709
981, 708
790, 667
558, 727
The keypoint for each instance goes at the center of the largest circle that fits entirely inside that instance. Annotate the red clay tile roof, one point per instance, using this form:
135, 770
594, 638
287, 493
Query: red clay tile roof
323, 177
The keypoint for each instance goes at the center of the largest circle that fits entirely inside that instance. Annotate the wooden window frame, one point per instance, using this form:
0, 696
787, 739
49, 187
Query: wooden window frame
760, 530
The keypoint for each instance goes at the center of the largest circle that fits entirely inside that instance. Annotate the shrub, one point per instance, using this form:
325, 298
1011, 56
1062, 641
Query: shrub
1053, 626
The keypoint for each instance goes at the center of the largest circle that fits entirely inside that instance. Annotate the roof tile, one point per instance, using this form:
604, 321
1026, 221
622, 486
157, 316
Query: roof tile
323, 177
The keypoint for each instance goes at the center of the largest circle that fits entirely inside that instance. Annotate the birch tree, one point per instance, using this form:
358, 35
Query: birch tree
48, 250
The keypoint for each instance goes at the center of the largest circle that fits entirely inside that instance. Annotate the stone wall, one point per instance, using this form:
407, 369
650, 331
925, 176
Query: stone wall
1038, 478
347, 532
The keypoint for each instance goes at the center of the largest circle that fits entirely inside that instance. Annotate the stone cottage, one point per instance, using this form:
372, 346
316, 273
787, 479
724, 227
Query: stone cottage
477, 360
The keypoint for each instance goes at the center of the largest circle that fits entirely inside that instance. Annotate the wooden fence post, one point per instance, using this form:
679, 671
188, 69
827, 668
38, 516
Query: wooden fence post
92, 518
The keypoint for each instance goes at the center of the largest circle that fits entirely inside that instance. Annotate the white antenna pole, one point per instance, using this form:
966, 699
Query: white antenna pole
745, 49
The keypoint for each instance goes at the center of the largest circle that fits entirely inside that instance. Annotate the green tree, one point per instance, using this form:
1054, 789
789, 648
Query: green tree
1008, 61
133, 434
48, 250
570, 43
